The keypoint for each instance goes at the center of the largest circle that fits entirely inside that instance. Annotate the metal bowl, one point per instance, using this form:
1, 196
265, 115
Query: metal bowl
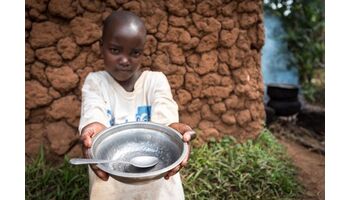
125, 141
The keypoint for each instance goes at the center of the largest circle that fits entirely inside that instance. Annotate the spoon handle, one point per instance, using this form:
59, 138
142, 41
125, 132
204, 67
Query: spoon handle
83, 161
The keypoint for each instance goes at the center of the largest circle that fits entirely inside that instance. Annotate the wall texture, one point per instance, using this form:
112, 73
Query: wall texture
210, 51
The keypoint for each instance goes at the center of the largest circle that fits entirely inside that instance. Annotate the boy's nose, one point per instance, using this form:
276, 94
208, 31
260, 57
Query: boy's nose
124, 60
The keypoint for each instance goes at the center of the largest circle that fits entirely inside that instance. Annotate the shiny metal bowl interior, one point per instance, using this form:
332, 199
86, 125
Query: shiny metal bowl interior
125, 141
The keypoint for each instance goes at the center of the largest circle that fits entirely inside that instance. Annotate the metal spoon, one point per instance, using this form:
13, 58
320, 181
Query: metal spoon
138, 161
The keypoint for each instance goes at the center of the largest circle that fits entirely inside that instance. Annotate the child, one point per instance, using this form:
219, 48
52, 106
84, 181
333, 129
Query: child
123, 93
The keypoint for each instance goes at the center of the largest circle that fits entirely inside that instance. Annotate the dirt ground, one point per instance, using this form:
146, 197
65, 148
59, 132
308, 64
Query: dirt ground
311, 169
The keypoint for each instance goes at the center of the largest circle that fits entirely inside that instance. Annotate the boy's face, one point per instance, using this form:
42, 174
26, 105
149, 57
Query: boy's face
122, 51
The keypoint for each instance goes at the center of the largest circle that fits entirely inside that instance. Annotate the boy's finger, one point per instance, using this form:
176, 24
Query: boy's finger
101, 174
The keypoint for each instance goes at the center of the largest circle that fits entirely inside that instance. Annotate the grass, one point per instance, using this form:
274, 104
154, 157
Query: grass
253, 170
44, 181
217, 170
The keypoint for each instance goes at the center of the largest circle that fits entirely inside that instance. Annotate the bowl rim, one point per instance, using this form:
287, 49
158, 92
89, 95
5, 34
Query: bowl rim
139, 125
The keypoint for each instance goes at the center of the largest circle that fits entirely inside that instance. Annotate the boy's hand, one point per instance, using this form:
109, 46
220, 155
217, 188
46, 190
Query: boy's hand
86, 139
188, 134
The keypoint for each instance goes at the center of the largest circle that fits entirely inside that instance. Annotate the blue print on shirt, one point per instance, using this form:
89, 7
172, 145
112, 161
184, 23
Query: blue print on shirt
112, 119
143, 113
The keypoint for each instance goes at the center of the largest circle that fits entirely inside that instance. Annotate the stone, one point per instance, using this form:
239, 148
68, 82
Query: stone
54, 93
176, 54
227, 81
243, 41
39, 5
67, 48
218, 108
205, 124
207, 43
217, 91
91, 5
176, 7
35, 15
229, 117
249, 6
95, 47
133, 6
208, 114
34, 131
178, 35
79, 62
150, 45
194, 32
208, 7
161, 63
175, 81
208, 25
248, 19
29, 54
229, 9
193, 83
225, 129
195, 105
153, 21
85, 31
191, 119
193, 60
112, 3
63, 8
183, 96
36, 95
223, 69
62, 79
67, 107
32, 147
243, 117
228, 38
211, 79
193, 43
44, 34
179, 21
227, 23
208, 63
210, 133
37, 71
61, 136
49, 56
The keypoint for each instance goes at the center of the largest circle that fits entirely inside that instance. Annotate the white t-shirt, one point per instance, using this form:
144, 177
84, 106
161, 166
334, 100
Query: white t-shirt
107, 102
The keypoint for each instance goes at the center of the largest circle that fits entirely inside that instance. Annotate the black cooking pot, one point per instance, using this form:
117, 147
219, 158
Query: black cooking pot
285, 108
283, 92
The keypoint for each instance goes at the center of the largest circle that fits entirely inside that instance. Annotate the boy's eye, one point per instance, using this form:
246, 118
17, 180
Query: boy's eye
114, 50
136, 53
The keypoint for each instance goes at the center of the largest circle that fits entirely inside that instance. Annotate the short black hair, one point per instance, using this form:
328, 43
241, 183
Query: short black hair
124, 17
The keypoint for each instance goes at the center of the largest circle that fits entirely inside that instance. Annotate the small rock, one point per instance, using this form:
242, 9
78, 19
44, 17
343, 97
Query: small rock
49, 56
36, 95
61, 136
62, 79
85, 32
44, 34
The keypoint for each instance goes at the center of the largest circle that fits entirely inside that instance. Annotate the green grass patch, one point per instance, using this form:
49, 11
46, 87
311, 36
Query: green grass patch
217, 170
253, 170
66, 182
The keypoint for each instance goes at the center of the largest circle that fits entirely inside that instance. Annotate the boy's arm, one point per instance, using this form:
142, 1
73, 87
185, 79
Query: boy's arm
93, 106
165, 111
93, 117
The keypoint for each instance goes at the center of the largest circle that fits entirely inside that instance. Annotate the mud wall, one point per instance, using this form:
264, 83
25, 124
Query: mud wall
210, 51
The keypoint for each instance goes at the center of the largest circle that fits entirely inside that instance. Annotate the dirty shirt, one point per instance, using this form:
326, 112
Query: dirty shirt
107, 102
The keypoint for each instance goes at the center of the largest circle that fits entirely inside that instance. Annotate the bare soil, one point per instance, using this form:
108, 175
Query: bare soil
311, 169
